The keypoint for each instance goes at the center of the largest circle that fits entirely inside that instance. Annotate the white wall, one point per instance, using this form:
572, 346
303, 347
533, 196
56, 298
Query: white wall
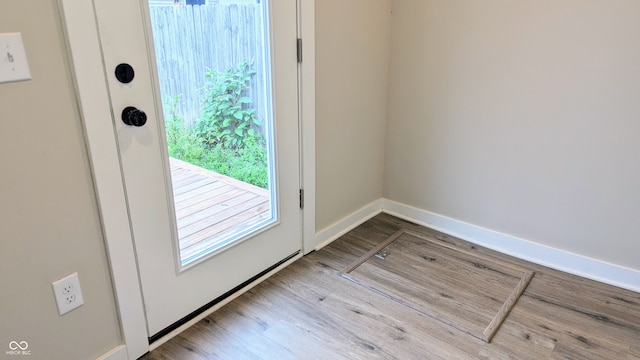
49, 222
352, 52
522, 117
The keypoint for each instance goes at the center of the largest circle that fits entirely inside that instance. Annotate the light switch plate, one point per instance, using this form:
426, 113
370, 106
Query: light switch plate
13, 59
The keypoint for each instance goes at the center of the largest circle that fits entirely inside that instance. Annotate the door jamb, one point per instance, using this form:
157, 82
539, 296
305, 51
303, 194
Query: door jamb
85, 56
307, 93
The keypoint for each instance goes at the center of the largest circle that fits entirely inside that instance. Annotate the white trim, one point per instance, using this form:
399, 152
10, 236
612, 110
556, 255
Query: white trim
94, 106
346, 224
308, 124
222, 303
94, 103
524, 249
117, 353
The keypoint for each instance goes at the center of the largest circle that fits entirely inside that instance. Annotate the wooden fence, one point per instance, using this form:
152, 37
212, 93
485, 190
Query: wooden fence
191, 40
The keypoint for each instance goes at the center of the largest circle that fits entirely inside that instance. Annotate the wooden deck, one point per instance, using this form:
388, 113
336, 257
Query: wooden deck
211, 207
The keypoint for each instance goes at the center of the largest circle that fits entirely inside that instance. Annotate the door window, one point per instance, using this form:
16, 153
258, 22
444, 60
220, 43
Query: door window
214, 78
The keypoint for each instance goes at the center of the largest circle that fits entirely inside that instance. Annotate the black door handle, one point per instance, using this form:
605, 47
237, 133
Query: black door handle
133, 116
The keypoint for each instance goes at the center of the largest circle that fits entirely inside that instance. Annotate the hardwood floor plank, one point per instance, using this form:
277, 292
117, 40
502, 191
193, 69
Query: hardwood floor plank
574, 333
321, 327
575, 314
516, 341
508, 305
307, 311
618, 307
485, 288
241, 334
576, 349
388, 327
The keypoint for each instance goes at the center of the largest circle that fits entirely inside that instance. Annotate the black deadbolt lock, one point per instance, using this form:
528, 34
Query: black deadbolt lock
134, 117
125, 73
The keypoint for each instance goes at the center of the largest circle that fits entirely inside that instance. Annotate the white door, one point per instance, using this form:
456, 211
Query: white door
200, 234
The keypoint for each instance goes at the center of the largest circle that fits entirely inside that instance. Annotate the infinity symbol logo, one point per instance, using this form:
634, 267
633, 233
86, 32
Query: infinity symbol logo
22, 345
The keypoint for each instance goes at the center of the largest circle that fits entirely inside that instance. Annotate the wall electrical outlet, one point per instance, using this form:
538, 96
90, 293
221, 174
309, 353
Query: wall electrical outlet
67, 293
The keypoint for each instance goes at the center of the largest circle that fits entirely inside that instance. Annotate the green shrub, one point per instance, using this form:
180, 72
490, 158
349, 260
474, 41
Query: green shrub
228, 117
247, 163
183, 143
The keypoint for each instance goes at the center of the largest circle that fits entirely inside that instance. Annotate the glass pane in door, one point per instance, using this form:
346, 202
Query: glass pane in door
214, 77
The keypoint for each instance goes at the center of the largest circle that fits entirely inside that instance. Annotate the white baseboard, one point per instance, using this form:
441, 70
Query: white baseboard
554, 258
524, 249
117, 353
327, 235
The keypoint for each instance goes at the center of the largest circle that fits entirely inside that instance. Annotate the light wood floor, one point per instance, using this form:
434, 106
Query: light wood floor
307, 311
211, 207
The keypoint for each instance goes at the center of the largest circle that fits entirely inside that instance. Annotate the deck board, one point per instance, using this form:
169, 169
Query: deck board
217, 196
211, 207
193, 185
215, 214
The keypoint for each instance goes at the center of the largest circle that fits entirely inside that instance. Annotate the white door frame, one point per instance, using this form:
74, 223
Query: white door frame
85, 56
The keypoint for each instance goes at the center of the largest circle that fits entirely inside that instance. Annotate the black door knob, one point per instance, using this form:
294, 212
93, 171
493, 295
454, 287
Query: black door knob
134, 117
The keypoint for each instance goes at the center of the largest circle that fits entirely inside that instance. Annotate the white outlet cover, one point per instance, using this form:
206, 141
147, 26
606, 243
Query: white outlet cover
13, 59
67, 293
